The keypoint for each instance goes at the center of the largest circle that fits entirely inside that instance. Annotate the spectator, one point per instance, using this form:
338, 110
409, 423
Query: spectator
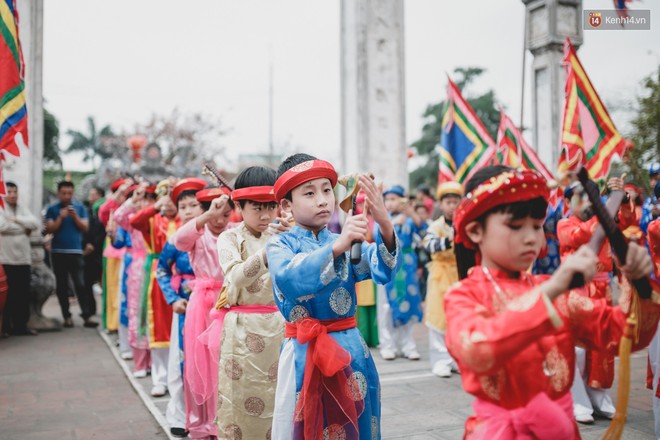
424, 197
67, 221
93, 244
16, 225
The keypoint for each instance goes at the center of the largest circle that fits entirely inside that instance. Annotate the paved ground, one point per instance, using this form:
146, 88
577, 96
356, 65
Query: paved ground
68, 385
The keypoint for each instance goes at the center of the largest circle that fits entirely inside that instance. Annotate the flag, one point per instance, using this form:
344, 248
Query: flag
588, 135
465, 145
513, 151
13, 111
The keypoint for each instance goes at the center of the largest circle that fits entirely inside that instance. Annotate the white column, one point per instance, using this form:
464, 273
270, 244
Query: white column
373, 94
27, 170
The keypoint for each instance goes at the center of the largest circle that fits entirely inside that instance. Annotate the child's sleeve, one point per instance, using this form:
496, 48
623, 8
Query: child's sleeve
483, 341
164, 272
185, 238
238, 273
123, 213
119, 239
377, 262
302, 273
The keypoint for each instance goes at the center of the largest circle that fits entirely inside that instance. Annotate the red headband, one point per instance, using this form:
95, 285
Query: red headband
508, 187
116, 184
261, 194
304, 172
210, 194
187, 184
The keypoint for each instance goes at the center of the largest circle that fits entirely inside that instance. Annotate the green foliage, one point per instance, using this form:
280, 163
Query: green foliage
52, 157
93, 144
484, 106
645, 135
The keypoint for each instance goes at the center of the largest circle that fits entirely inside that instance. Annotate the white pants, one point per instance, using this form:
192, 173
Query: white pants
159, 358
654, 359
438, 353
396, 339
122, 332
285, 393
176, 407
585, 398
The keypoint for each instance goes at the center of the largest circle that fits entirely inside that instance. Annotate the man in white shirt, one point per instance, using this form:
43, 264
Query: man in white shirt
16, 225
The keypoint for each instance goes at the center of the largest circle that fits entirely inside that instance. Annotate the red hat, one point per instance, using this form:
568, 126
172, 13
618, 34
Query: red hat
116, 184
151, 189
304, 172
210, 194
508, 187
187, 184
130, 190
261, 194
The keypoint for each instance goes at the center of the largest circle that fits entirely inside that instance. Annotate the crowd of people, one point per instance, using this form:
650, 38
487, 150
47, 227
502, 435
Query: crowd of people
251, 307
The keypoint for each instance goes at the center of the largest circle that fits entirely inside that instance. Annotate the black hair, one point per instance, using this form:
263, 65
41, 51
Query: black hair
207, 205
186, 193
421, 205
11, 185
444, 196
256, 176
535, 208
424, 189
99, 191
65, 184
290, 162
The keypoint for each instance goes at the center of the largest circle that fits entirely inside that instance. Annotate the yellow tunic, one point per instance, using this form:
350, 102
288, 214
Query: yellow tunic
442, 274
250, 346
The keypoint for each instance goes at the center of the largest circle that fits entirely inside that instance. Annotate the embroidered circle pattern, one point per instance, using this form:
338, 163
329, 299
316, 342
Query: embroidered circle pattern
297, 313
356, 386
272, 371
558, 366
233, 370
365, 347
251, 268
412, 290
334, 432
256, 286
233, 432
254, 406
225, 255
341, 301
404, 306
255, 343
303, 166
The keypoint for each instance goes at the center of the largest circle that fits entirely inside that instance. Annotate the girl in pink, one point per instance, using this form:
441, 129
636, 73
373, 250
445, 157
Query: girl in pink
139, 197
199, 238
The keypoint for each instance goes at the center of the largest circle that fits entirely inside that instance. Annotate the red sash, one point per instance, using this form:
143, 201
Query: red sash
327, 370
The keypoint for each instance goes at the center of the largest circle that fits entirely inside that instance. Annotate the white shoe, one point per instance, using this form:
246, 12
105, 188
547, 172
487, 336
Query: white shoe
158, 390
586, 419
413, 356
441, 370
387, 355
139, 374
127, 355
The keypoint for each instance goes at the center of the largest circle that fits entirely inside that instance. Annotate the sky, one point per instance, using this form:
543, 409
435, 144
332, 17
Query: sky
120, 61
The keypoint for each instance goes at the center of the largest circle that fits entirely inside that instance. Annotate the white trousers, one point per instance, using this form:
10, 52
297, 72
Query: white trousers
654, 359
176, 407
122, 333
159, 357
396, 339
438, 353
585, 398
285, 393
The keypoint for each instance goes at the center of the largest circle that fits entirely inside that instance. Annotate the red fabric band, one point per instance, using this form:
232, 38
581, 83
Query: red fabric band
327, 369
210, 194
304, 172
261, 194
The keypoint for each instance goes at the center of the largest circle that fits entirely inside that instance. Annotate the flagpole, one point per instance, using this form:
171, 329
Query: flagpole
524, 59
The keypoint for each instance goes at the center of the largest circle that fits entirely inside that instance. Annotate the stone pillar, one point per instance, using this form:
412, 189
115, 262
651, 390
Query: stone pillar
372, 82
549, 22
27, 170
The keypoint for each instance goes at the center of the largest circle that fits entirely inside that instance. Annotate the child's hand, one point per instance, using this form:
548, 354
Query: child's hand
584, 262
354, 229
218, 205
179, 306
281, 224
638, 262
139, 193
373, 199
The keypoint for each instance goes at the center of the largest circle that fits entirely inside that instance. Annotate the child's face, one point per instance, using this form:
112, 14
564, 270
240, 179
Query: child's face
394, 203
422, 213
507, 244
189, 208
448, 204
257, 216
312, 204
218, 224
169, 209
